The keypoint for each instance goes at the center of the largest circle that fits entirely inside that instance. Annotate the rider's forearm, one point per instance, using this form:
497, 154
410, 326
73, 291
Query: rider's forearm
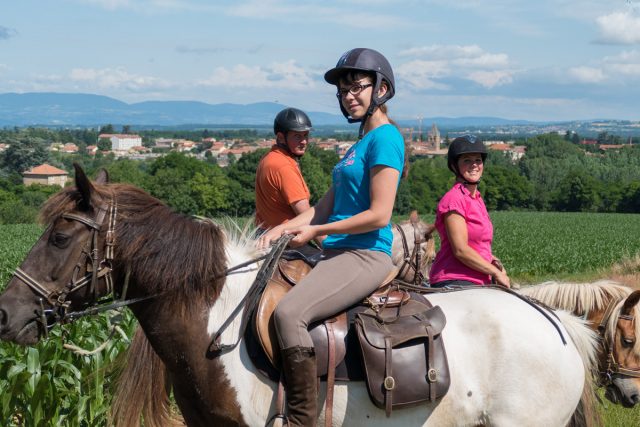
317, 214
363, 222
472, 259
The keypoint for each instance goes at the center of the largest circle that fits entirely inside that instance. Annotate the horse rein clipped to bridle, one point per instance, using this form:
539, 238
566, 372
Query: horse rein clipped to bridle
407, 263
95, 269
612, 367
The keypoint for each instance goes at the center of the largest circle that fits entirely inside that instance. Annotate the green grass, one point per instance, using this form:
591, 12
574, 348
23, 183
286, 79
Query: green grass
50, 386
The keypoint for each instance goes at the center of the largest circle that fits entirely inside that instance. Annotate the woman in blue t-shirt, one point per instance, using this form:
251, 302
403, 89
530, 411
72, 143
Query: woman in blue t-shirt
355, 215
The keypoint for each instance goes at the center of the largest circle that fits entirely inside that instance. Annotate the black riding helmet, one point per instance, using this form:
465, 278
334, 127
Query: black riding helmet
463, 145
367, 61
291, 119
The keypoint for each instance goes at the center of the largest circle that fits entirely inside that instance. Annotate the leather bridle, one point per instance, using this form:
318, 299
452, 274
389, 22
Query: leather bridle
612, 367
411, 261
96, 268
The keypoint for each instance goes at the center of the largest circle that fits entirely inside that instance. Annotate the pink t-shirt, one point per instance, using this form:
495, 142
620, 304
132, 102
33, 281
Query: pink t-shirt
479, 231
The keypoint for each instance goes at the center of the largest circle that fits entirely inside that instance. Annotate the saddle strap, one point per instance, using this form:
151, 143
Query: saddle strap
331, 373
431, 372
389, 382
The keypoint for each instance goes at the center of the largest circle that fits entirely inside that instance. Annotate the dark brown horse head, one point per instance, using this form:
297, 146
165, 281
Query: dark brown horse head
50, 282
625, 354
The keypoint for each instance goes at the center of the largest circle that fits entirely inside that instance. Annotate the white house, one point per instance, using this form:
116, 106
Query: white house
122, 142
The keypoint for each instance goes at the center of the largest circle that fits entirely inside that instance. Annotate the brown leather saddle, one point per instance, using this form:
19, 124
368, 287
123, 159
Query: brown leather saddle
407, 319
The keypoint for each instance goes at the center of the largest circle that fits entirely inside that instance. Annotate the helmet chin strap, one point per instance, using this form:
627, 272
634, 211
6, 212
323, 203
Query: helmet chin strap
287, 149
363, 120
466, 182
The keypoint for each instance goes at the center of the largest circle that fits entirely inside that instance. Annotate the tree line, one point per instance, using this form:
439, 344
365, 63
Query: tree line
556, 174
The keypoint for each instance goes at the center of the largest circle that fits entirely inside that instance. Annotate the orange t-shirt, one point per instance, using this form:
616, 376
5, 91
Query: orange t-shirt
279, 183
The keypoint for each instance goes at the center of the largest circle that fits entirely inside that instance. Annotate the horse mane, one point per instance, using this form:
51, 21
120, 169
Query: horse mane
581, 298
179, 256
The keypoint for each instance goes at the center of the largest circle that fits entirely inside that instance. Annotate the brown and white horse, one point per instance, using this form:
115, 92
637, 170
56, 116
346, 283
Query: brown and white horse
509, 364
613, 311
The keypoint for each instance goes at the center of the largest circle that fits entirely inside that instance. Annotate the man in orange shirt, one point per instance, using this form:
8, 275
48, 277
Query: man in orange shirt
281, 192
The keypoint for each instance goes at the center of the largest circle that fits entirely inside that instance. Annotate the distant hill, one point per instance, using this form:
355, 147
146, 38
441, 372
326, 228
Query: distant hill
66, 109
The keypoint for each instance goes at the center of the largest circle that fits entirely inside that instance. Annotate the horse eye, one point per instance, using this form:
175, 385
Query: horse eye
60, 240
628, 342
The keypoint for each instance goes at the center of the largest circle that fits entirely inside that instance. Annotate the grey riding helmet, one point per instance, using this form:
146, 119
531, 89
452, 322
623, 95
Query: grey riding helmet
291, 119
462, 145
368, 61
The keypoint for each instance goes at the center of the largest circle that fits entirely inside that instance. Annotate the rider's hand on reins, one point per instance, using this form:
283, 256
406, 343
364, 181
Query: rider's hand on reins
303, 235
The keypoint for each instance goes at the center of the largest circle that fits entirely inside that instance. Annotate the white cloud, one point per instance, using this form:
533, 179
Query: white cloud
287, 75
421, 74
618, 69
349, 15
116, 78
619, 28
626, 63
443, 51
486, 60
469, 62
587, 74
490, 79
110, 4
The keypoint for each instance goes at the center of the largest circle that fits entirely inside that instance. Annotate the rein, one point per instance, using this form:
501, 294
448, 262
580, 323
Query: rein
252, 297
407, 264
612, 367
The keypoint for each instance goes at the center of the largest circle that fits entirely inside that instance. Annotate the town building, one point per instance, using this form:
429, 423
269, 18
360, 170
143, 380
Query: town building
433, 138
122, 142
46, 175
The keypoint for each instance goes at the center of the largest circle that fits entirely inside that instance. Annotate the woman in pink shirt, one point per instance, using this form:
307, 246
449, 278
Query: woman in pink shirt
464, 225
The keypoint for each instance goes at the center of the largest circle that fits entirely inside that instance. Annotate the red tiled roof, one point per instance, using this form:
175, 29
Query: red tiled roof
500, 147
45, 169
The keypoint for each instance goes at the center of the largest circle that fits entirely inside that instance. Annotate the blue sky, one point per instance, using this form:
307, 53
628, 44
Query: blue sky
529, 59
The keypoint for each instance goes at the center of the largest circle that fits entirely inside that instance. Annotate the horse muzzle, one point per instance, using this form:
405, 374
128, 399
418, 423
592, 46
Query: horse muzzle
624, 392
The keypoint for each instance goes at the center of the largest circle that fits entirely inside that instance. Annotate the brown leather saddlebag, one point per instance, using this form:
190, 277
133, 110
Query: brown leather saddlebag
403, 353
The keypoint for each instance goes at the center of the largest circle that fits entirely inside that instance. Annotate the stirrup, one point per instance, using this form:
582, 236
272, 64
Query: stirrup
274, 417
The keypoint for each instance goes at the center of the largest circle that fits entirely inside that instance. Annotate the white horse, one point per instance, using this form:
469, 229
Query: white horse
508, 363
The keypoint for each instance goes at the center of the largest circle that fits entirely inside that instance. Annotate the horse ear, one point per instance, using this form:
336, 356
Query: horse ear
102, 177
84, 186
413, 217
631, 302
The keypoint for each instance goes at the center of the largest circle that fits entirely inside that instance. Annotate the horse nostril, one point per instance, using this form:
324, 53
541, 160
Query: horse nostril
4, 318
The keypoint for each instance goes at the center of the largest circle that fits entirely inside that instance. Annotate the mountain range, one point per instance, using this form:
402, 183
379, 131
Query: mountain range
67, 109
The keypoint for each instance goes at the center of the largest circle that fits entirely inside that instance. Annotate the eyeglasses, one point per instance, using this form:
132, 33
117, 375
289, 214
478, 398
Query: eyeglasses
353, 90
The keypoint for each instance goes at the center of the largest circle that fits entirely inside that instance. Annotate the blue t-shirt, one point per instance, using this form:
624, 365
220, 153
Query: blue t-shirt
383, 146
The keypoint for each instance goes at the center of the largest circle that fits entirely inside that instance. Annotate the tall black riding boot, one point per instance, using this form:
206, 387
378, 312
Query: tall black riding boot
299, 369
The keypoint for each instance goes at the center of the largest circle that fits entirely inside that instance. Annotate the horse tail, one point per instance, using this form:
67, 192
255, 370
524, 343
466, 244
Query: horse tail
585, 339
142, 388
